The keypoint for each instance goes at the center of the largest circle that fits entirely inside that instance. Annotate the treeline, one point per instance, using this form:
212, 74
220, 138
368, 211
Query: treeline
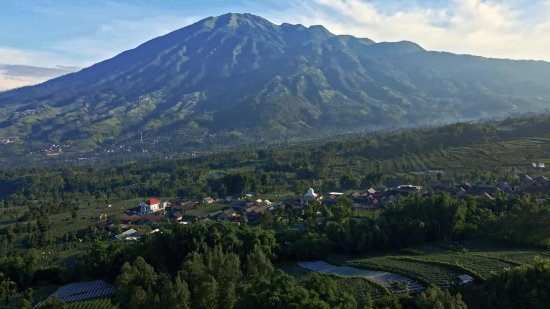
267, 170
223, 265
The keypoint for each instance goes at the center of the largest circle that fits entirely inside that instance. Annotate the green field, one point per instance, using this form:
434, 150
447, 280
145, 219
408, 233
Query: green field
104, 303
516, 155
432, 273
427, 262
358, 287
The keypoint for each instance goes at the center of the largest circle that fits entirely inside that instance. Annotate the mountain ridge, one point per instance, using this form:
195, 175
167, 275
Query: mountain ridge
240, 71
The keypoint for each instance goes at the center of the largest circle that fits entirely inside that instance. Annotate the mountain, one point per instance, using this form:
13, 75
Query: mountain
241, 72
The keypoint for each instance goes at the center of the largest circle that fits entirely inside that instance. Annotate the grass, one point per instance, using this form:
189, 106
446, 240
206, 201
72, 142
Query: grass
356, 286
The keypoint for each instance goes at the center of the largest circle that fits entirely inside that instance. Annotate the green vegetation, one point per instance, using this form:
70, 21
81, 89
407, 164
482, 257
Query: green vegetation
239, 79
427, 273
46, 238
360, 288
91, 304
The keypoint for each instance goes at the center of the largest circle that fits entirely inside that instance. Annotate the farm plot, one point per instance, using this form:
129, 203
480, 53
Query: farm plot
84, 290
358, 287
364, 213
381, 277
525, 257
431, 273
482, 265
92, 304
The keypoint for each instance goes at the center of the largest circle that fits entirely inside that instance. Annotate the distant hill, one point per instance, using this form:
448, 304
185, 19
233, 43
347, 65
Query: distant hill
242, 72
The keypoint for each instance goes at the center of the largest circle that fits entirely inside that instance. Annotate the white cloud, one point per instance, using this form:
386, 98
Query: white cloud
518, 29
23, 67
503, 29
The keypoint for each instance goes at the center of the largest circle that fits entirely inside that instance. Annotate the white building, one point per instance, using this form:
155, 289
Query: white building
150, 206
309, 196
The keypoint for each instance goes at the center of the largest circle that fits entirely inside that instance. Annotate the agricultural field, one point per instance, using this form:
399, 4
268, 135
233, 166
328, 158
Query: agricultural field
104, 303
432, 273
483, 258
513, 156
358, 287
496, 251
364, 213
482, 265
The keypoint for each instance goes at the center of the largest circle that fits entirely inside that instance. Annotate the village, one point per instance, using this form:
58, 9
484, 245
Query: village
245, 208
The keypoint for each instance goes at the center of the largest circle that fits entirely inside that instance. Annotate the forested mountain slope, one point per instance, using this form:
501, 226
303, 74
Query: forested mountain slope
242, 72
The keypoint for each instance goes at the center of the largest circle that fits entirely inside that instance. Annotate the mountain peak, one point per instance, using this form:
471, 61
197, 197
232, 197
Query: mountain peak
243, 71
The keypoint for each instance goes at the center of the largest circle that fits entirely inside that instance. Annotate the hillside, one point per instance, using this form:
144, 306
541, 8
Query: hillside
242, 73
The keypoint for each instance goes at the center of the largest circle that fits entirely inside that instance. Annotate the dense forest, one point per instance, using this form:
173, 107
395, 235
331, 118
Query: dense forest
223, 265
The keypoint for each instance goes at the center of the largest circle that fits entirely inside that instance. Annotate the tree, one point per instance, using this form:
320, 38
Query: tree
206, 294
53, 303
434, 297
8, 292
266, 220
521, 287
175, 295
341, 211
134, 286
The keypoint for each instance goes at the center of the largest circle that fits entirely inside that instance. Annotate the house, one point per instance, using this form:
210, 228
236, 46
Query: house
463, 279
151, 219
151, 206
309, 197
239, 206
466, 186
542, 181
527, 180
207, 200
256, 213
405, 190
191, 218
214, 215
126, 219
479, 193
330, 200
102, 226
176, 216
227, 215
503, 186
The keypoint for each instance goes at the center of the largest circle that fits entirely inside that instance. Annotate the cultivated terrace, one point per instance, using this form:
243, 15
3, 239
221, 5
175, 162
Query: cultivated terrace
227, 230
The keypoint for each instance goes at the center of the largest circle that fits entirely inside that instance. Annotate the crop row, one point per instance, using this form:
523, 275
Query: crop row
357, 287
412, 269
482, 265
104, 303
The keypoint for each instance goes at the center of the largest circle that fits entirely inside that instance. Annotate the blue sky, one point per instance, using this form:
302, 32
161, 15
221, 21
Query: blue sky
41, 39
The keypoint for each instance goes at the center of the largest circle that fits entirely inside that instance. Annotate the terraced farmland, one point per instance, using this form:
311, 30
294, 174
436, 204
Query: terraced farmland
482, 265
92, 304
524, 257
515, 154
432, 273
357, 287
381, 277
364, 213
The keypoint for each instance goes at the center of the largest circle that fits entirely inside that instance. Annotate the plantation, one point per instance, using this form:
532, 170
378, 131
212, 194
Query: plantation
482, 265
431, 273
364, 213
104, 303
358, 287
